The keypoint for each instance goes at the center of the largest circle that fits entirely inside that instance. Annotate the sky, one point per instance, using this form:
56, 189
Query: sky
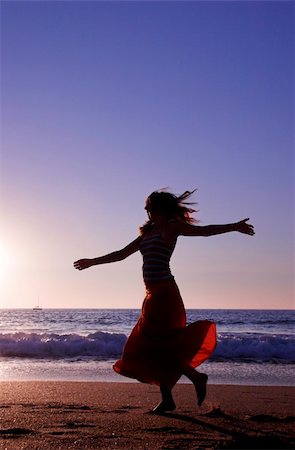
105, 102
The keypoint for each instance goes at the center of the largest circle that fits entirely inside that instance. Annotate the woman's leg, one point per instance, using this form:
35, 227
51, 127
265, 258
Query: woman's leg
199, 380
167, 403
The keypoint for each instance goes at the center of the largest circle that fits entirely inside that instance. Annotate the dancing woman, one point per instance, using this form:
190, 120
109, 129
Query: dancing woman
161, 347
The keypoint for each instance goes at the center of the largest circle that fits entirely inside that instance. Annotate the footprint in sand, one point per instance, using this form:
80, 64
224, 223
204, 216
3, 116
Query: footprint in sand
217, 413
269, 442
267, 418
12, 432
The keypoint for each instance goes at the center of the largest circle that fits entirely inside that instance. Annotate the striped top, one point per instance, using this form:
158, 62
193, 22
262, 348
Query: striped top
156, 255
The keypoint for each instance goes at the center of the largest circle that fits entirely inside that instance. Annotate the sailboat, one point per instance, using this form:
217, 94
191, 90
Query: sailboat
37, 307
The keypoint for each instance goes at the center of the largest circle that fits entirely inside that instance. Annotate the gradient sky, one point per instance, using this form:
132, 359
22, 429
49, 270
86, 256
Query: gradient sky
104, 102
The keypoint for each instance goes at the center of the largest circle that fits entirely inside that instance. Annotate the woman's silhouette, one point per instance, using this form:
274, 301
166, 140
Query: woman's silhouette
161, 347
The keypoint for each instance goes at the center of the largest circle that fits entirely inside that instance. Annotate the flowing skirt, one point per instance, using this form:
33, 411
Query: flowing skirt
161, 344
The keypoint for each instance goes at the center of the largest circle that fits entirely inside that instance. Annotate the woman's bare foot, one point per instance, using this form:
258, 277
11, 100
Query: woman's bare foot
201, 387
164, 406
167, 403
199, 380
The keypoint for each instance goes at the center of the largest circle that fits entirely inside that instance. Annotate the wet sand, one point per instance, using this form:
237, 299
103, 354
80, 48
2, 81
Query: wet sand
98, 415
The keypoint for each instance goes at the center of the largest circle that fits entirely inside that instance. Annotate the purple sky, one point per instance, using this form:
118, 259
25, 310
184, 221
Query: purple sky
104, 102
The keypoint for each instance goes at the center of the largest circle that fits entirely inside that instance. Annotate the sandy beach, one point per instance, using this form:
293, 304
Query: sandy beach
98, 415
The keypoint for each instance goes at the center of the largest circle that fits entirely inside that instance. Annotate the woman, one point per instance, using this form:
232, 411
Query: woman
161, 346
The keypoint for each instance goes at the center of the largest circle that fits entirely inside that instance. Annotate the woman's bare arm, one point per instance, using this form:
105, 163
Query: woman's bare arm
110, 257
210, 230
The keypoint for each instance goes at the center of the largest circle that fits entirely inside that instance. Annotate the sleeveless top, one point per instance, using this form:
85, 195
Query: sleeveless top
156, 255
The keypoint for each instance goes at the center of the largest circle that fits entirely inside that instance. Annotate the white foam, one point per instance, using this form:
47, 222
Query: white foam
102, 345
33, 345
259, 347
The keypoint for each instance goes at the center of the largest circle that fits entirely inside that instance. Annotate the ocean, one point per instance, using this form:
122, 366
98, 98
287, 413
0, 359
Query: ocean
255, 347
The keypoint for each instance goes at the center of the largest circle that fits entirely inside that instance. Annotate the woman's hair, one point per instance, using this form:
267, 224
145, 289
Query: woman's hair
172, 206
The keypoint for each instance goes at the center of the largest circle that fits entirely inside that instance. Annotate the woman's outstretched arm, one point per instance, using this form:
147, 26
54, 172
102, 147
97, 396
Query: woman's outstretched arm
109, 258
210, 230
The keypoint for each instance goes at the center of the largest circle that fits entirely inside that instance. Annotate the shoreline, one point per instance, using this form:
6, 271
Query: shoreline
220, 373
109, 415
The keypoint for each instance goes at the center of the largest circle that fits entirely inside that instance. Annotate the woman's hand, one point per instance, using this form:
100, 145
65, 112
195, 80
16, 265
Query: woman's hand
82, 264
243, 227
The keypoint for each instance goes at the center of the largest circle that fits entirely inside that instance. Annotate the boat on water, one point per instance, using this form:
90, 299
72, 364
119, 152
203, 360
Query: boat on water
37, 308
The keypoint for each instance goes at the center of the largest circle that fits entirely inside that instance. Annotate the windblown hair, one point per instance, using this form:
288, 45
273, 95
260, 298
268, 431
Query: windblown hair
172, 206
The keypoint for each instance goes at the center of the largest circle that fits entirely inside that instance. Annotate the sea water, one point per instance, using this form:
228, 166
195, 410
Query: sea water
254, 346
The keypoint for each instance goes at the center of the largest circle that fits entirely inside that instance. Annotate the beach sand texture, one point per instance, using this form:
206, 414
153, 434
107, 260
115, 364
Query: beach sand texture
98, 415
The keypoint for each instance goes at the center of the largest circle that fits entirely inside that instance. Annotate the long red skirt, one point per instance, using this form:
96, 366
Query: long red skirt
161, 344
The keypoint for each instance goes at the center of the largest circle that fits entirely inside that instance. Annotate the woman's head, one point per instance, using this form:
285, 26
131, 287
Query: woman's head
170, 206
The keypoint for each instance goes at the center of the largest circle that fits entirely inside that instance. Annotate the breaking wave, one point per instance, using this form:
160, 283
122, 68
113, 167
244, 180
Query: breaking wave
256, 348
32, 345
101, 345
